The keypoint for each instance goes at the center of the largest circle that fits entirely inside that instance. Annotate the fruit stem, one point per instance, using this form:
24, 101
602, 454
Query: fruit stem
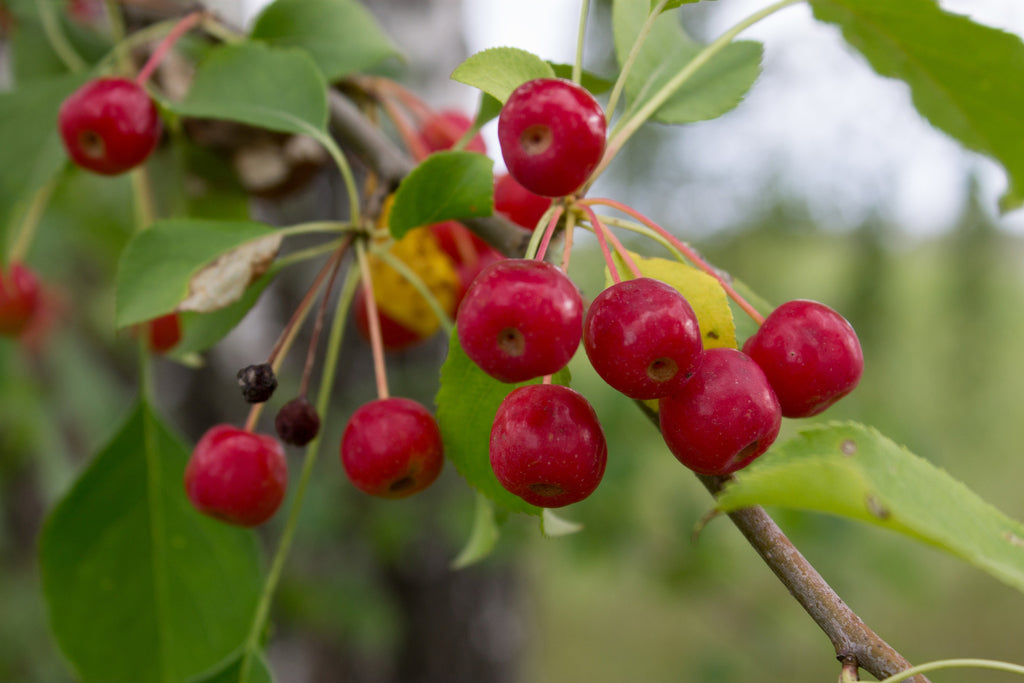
322, 403
954, 664
412, 141
55, 35
688, 251
577, 65
570, 230
373, 319
287, 336
30, 221
316, 227
602, 241
627, 65
180, 29
417, 282
626, 126
549, 232
318, 323
643, 230
602, 231
552, 214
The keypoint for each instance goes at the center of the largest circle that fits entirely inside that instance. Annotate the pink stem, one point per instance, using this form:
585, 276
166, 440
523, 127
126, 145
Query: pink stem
373, 318
548, 233
685, 249
180, 29
602, 240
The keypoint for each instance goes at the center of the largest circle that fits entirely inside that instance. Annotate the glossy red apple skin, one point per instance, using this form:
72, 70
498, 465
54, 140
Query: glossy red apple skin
725, 415
522, 207
552, 135
237, 476
810, 354
392, 448
521, 319
109, 125
547, 445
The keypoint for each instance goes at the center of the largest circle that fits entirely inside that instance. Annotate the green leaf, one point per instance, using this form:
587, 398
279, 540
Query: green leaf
140, 587
553, 526
200, 331
716, 87
231, 671
482, 538
853, 471
341, 36
30, 141
446, 185
158, 265
590, 81
672, 4
467, 402
500, 70
275, 88
965, 79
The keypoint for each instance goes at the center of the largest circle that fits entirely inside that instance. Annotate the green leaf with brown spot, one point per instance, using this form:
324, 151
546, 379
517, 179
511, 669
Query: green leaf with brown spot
850, 470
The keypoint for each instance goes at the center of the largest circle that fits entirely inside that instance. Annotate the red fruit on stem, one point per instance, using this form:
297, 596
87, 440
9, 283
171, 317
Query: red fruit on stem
19, 299
522, 207
521, 319
552, 135
810, 354
392, 448
642, 338
237, 476
163, 333
723, 417
109, 125
547, 446
444, 129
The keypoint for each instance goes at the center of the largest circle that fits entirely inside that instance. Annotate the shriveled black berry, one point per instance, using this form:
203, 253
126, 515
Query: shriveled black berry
258, 382
297, 422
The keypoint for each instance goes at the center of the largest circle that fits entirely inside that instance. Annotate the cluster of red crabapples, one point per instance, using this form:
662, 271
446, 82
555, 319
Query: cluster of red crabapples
719, 408
517, 319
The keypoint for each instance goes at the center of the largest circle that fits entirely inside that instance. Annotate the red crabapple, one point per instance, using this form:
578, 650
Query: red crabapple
547, 446
109, 125
522, 207
723, 417
392, 448
20, 299
442, 130
163, 333
521, 319
810, 354
237, 476
642, 338
552, 135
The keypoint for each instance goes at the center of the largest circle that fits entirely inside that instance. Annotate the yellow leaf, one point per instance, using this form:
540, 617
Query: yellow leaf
702, 291
397, 297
